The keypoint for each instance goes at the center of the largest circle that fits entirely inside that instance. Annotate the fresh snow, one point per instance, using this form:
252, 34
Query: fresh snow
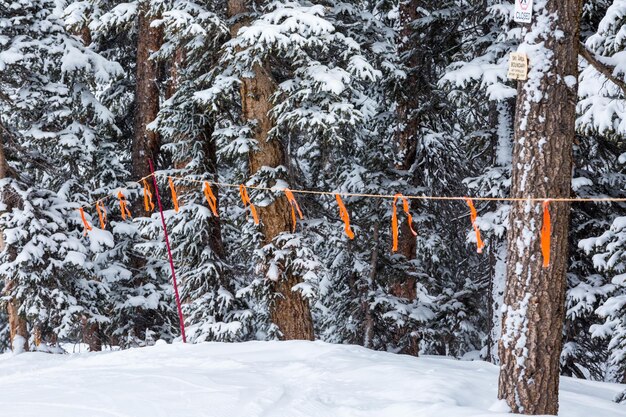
270, 379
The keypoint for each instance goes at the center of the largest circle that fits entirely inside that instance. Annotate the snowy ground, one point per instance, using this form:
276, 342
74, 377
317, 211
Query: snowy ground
269, 379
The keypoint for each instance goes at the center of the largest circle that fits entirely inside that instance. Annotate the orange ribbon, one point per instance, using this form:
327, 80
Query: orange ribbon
210, 198
294, 206
247, 202
343, 213
174, 195
86, 225
546, 230
123, 206
473, 215
102, 214
147, 197
394, 219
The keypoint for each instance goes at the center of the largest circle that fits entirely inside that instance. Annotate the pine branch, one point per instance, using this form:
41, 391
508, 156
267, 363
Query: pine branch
602, 68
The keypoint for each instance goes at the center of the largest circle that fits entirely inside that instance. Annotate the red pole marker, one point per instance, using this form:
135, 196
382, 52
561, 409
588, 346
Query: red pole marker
169, 254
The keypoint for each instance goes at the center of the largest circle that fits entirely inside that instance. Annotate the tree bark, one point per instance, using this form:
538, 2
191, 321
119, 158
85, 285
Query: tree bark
18, 329
215, 228
534, 300
146, 143
406, 143
91, 335
173, 82
289, 311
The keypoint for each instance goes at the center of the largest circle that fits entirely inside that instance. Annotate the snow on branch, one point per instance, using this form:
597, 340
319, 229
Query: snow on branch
601, 67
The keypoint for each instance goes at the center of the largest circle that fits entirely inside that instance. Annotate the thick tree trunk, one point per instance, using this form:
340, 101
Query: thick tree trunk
534, 301
18, 329
290, 312
146, 143
406, 143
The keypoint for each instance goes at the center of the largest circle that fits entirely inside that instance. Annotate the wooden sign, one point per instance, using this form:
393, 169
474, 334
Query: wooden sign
518, 66
523, 11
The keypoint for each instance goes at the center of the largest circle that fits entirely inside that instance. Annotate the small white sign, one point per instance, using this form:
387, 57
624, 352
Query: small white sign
523, 11
518, 66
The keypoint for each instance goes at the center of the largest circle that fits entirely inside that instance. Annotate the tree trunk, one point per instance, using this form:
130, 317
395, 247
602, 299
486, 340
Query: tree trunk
146, 143
215, 228
534, 300
18, 329
368, 319
290, 312
91, 335
406, 143
173, 82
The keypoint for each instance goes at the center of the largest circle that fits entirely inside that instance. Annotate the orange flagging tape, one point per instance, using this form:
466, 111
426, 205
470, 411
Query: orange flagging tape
147, 197
123, 206
102, 214
246, 202
86, 225
546, 231
210, 198
294, 206
343, 213
394, 219
174, 195
473, 215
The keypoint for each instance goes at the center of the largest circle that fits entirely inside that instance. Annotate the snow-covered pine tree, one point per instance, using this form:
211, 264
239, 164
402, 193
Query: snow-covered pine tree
52, 142
598, 172
431, 162
602, 93
479, 77
194, 33
141, 301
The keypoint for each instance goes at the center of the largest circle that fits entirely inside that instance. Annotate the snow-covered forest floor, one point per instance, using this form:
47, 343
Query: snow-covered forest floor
270, 379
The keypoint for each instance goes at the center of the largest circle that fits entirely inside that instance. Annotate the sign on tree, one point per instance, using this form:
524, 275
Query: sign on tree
523, 11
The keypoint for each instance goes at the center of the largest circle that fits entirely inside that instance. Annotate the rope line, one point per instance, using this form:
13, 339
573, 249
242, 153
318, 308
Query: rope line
384, 196
100, 200
413, 197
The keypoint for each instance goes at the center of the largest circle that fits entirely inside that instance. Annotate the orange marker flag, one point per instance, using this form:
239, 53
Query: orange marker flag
174, 195
86, 225
394, 219
343, 213
247, 202
473, 216
210, 198
147, 197
294, 206
124, 206
546, 231
102, 213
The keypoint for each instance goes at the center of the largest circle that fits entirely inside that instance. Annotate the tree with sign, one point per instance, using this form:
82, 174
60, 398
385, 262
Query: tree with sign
542, 167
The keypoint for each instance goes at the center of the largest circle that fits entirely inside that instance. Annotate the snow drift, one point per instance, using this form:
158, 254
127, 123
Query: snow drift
270, 379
